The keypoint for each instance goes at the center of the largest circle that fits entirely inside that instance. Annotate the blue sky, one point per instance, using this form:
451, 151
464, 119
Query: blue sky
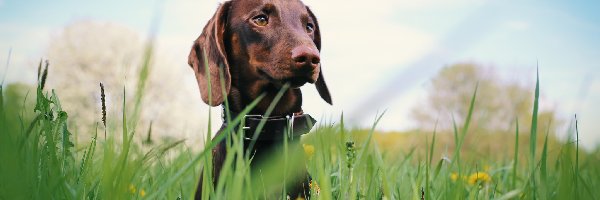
370, 48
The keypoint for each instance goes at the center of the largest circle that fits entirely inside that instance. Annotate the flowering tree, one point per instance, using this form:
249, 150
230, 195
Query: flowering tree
86, 53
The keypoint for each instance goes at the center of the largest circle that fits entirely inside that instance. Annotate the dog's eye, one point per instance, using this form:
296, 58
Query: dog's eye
310, 27
261, 20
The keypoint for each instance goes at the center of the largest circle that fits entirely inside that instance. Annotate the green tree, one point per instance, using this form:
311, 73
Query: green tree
497, 105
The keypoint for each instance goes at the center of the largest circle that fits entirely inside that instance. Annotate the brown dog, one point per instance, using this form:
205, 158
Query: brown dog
255, 47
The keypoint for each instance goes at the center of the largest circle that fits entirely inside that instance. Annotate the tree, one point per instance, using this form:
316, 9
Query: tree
498, 103
86, 53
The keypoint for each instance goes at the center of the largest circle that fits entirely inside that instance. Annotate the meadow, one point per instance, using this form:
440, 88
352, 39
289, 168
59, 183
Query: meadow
40, 159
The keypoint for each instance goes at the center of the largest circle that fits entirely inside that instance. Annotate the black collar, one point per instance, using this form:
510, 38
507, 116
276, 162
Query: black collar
275, 127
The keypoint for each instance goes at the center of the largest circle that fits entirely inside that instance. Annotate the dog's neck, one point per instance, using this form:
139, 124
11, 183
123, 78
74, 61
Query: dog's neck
290, 102
287, 114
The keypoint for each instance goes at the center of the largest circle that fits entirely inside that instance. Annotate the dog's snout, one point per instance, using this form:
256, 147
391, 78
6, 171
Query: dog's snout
305, 56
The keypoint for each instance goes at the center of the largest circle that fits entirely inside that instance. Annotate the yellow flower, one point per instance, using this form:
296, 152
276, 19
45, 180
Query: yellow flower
453, 176
132, 189
142, 193
479, 177
309, 150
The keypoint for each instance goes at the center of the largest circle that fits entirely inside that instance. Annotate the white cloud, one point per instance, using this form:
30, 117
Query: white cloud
518, 25
26, 43
595, 87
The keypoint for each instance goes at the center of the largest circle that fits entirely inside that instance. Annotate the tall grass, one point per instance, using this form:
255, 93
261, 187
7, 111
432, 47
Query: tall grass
40, 160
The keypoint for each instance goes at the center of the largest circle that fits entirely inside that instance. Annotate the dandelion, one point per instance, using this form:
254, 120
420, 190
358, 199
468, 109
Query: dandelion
309, 150
132, 189
142, 192
479, 177
454, 176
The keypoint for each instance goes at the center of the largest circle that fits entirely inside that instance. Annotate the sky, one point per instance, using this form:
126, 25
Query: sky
376, 55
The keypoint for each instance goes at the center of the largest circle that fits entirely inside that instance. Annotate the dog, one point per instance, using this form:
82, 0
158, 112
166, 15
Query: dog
254, 48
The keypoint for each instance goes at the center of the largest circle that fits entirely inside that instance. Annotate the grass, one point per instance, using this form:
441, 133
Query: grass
41, 160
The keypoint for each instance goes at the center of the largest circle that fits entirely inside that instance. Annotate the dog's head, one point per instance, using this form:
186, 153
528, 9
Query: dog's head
271, 42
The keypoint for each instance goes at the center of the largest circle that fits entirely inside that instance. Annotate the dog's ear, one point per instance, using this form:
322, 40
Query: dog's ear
320, 83
209, 59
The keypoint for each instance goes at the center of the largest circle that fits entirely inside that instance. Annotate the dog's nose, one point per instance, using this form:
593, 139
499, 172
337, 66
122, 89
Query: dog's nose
306, 57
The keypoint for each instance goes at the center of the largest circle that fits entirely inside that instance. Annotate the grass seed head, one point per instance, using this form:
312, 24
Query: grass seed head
39, 71
350, 153
44, 76
103, 100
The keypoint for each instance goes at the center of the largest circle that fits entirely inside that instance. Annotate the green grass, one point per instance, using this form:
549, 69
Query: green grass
39, 159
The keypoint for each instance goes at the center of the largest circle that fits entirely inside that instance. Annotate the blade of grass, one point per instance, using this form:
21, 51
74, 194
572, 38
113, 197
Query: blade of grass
516, 156
263, 121
6, 68
143, 75
533, 134
428, 166
88, 154
513, 194
456, 157
2, 112
123, 158
172, 179
207, 177
543, 168
367, 142
544, 158
463, 133
576, 178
